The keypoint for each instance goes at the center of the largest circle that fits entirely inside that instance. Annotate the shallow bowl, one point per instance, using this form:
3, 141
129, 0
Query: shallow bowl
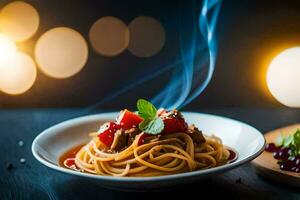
49, 145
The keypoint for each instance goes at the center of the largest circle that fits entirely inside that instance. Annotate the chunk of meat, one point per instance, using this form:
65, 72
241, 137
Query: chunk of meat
131, 135
120, 140
195, 134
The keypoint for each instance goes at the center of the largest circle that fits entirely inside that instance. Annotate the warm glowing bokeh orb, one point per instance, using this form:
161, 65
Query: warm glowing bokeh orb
109, 36
283, 77
18, 74
7, 48
19, 20
61, 52
147, 36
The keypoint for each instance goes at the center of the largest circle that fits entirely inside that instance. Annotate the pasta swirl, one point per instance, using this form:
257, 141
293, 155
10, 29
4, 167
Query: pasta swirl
171, 154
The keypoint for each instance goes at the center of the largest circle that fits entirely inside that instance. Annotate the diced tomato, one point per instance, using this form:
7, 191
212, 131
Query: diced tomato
107, 133
128, 119
142, 138
173, 125
125, 120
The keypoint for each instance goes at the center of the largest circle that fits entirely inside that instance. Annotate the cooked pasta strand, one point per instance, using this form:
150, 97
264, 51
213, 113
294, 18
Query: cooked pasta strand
173, 153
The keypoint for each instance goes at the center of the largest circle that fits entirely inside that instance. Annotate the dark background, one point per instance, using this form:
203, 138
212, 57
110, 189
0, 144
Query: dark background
249, 33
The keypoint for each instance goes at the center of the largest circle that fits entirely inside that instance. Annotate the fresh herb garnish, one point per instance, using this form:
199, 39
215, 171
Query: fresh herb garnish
152, 124
291, 141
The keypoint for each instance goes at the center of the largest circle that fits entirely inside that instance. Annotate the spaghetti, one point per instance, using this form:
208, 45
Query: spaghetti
129, 151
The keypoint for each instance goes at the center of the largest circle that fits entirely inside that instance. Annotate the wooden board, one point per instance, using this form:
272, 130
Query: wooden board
267, 166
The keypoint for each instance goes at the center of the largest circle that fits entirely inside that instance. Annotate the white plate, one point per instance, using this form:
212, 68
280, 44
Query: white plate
53, 142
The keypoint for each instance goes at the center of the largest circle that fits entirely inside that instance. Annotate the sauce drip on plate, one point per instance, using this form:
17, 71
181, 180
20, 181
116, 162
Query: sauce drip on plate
67, 159
232, 156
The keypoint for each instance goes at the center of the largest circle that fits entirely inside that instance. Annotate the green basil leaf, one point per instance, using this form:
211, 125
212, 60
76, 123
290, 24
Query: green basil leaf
146, 109
144, 123
296, 138
288, 140
292, 142
154, 126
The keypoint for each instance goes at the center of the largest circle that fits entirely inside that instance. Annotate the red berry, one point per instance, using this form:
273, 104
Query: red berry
271, 147
296, 161
281, 154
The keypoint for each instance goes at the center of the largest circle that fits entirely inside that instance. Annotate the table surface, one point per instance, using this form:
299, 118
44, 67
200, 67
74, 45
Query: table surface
31, 180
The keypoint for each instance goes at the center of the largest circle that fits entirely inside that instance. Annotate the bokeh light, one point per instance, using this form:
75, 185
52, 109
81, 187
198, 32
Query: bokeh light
19, 20
109, 36
7, 48
17, 75
61, 52
147, 36
282, 77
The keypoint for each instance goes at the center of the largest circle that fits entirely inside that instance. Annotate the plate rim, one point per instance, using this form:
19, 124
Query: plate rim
222, 168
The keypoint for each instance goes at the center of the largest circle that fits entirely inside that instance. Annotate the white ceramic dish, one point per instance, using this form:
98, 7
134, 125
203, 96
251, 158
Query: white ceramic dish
53, 142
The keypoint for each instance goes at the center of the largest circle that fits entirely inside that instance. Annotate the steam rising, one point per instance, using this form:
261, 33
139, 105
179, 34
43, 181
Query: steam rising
192, 72
198, 55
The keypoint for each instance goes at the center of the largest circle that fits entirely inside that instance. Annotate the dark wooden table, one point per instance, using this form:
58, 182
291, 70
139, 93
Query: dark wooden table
31, 180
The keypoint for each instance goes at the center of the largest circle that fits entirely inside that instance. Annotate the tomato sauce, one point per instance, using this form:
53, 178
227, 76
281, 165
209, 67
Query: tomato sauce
232, 156
67, 159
